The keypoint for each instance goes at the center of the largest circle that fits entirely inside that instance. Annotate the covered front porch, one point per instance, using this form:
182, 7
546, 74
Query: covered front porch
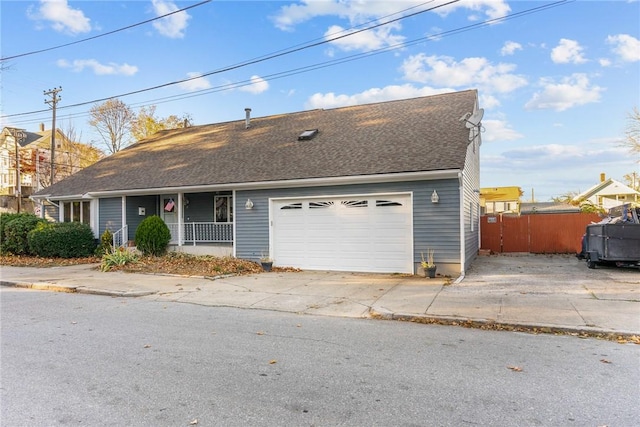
200, 223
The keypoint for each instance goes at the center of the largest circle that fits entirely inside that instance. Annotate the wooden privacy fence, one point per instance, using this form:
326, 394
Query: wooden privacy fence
537, 233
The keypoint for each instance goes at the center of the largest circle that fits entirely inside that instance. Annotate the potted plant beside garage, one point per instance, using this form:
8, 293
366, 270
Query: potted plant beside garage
428, 264
266, 261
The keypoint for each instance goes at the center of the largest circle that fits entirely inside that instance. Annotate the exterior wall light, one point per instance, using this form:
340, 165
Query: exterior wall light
434, 197
248, 204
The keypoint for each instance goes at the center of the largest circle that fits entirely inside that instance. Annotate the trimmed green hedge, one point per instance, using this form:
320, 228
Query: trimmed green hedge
64, 240
152, 236
14, 228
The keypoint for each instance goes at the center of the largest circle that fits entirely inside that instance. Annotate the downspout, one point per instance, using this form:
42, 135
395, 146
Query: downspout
463, 257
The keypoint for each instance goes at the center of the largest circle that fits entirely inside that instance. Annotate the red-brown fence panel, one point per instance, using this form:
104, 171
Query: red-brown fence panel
558, 233
515, 233
537, 233
490, 233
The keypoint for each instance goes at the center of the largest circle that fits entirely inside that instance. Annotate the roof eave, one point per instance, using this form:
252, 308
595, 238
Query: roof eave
297, 183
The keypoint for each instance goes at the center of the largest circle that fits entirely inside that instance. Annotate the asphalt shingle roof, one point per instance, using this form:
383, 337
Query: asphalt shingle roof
413, 135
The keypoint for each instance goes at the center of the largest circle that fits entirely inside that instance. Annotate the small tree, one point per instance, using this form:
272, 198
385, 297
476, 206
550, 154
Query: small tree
632, 140
153, 236
112, 120
146, 123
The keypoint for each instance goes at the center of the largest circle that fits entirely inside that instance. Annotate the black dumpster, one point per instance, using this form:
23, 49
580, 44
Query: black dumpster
617, 243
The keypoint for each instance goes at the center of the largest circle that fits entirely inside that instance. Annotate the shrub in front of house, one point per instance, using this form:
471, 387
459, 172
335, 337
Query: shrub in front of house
14, 230
106, 243
152, 236
64, 240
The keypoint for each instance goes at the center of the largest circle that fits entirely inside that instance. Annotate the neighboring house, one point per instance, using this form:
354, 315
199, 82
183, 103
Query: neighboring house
364, 188
498, 200
527, 208
607, 194
34, 159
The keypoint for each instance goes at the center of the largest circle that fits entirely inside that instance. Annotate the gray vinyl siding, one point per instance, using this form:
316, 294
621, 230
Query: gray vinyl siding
435, 225
471, 203
109, 214
150, 205
51, 212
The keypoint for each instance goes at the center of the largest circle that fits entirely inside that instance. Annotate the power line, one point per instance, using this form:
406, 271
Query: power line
103, 34
248, 62
313, 67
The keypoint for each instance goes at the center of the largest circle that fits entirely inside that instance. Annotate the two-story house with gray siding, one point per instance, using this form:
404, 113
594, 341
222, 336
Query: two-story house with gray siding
363, 188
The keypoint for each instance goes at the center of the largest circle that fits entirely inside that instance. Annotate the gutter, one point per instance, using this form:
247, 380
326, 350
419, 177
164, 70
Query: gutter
296, 183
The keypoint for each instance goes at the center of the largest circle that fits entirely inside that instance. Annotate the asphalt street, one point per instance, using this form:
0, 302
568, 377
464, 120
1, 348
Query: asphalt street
76, 359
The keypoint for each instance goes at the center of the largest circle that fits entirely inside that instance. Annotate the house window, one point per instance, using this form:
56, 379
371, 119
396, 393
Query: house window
77, 212
223, 209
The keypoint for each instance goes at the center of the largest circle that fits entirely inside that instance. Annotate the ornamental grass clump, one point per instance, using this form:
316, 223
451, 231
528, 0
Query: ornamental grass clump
118, 257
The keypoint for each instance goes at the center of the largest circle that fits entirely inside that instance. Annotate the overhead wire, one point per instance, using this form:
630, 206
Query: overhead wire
253, 61
6, 58
325, 64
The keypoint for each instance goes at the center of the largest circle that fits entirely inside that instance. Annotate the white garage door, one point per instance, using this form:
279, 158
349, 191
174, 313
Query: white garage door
359, 233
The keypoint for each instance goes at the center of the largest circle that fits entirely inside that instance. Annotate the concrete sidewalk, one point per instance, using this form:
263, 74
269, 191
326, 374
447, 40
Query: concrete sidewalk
549, 293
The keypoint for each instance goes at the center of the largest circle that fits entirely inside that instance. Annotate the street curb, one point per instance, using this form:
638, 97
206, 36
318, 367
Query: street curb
504, 326
44, 286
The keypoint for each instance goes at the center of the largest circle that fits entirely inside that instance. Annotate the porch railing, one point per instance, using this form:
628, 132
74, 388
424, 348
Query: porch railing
120, 237
202, 232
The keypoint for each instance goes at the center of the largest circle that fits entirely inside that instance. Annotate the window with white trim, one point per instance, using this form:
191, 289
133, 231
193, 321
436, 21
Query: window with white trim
78, 211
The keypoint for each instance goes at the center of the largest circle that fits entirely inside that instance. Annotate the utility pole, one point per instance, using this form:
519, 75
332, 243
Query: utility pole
18, 138
53, 102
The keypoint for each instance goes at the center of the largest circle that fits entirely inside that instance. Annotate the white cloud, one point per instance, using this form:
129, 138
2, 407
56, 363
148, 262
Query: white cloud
509, 48
604, 62
470, 72
488, 101
625, 46
257, 85
387, 93
355, 11
571, 92
498, 130
62, 17
197, 83
568, 51
78, 65
491, 8
173, 26
366, 40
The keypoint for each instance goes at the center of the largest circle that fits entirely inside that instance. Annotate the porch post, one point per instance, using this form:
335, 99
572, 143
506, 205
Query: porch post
124, 219
180, 220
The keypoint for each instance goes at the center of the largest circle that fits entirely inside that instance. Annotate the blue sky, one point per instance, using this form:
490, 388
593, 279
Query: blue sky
557, 84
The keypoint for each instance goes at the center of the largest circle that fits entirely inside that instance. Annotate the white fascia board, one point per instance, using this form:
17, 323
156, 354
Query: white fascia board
295, 183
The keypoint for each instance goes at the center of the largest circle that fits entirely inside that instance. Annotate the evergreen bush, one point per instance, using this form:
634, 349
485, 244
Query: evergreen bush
64, 240
14, 232
152, 236
106, 243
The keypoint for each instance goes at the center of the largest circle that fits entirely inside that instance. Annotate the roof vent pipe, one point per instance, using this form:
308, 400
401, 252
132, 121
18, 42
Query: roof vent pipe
247, 120
41, 127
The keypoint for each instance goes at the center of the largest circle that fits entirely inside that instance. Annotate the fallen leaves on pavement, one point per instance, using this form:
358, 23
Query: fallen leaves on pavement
171, 263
